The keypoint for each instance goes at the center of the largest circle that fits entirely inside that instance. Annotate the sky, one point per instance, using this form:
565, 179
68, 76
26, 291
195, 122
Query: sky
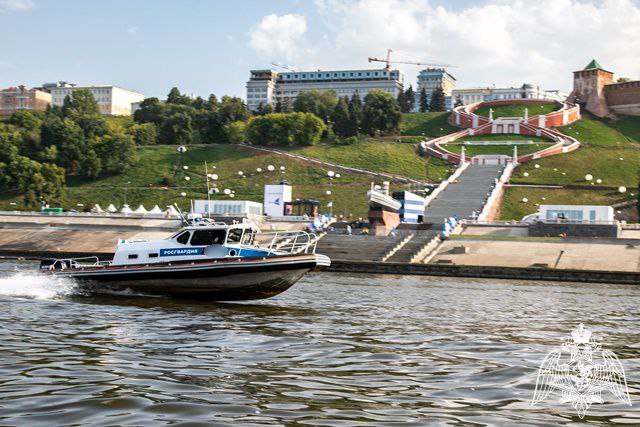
209, 46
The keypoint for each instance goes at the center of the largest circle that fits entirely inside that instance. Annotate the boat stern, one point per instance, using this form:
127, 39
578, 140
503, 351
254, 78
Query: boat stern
322, 261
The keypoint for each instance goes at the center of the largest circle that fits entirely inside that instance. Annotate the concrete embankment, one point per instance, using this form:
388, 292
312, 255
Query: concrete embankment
490, 272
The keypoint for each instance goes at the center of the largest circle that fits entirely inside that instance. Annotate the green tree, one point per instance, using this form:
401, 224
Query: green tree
319, 103
235, 132
90, 165
233, 109
144, 133
28, 120
117, 153
175, 97
176, 129
80, 102
381, 113
69, 139
424, 101
285, 129
355, 113
151, 111
342, 123
437, 102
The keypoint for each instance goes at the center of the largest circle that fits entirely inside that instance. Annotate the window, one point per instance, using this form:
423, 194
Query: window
183, 238
133, 256
207, 237
153, 255
247, 238
235, 234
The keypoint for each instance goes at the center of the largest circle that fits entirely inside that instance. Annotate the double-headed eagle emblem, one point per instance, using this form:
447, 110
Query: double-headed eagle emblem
581, 370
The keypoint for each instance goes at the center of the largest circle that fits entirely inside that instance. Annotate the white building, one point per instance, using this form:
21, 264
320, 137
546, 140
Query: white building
412, 210
275, 196
112, 100
575, 213
240, 208
526, 91
268, 86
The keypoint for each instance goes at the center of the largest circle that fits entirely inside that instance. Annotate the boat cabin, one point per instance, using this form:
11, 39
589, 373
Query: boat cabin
194, 242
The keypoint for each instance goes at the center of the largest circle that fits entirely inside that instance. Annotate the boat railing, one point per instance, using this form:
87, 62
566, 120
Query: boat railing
63, 263
292, 242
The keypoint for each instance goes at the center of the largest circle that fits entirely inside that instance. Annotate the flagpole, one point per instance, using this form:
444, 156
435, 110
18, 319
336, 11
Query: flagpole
206, 176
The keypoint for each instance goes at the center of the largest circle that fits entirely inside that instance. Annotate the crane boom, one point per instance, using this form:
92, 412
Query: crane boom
388, 62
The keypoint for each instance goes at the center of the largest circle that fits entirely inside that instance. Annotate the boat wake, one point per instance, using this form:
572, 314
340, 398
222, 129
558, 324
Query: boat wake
37, 286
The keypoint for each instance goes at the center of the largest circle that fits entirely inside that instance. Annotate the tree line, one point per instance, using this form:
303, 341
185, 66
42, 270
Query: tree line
38, 151
436, 102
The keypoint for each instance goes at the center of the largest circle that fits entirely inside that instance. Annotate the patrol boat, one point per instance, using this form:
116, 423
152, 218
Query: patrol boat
204, 260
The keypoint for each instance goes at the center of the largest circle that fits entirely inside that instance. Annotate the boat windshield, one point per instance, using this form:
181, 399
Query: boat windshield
208, 237
235, 235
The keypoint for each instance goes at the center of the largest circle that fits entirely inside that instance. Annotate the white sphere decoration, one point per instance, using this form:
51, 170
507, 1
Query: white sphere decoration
185, 167
537, 166
214, 176
525, 200
282, 168
543, 198
555, 169
622, 189
226, 191
328, 192
258, 170
186, 178
183, 194
564, 173
526, 174
232, 195
588, 177
599, 181
621, 158
619, 212
240, 173
271, 168
330, 173
337, 175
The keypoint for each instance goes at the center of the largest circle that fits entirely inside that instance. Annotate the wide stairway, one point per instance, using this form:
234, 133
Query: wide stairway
413, 246
356, 248
464, 196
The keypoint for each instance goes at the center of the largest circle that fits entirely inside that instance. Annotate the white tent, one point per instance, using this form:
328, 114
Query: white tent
141, 210
111, 208
171, 212
96, 209
125, 209
156, 210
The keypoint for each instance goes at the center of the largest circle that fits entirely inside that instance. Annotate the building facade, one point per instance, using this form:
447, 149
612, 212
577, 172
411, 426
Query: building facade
595, 90
112, 100
431, 79
20, 98
526, 91
266, 87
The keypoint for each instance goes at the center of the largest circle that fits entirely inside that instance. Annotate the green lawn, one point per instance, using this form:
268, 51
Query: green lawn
308, 180
600, 155
430, 125
514, 110
380, 156
629, 126
514, 208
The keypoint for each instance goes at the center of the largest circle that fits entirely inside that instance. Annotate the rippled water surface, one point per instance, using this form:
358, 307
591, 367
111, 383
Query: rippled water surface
333, 350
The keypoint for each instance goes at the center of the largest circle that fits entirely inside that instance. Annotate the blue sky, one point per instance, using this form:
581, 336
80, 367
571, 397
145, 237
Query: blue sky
209, 46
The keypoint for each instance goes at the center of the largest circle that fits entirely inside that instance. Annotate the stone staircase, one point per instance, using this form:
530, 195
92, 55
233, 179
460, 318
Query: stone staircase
408, 251
357, 248
464, 196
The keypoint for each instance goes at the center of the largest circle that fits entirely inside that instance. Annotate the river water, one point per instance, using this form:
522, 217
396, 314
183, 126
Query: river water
334, 350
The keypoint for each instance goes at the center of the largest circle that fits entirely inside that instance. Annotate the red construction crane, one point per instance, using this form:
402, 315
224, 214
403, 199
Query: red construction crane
388, 62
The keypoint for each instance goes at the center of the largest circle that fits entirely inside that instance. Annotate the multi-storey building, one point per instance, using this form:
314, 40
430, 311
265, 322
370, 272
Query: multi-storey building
20, 98
526, 91
268, 86
431, 79
112, 100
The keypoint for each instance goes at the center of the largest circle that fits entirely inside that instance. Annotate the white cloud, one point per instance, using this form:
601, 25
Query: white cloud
278, 36
132, 31
506, 43
16, 5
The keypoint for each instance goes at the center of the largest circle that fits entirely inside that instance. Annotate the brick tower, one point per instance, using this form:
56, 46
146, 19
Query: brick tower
588, 88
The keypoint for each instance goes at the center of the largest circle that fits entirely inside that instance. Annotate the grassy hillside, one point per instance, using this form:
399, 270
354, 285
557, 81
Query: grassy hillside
610, 151
144, 182
428, 124
514, 110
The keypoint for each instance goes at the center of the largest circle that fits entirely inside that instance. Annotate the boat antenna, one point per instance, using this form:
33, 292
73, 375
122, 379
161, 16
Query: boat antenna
184, 221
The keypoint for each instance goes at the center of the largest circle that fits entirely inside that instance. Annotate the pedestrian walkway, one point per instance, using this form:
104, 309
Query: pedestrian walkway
465, 195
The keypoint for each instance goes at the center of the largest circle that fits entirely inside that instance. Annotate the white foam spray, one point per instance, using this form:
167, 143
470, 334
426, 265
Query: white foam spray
37, 286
